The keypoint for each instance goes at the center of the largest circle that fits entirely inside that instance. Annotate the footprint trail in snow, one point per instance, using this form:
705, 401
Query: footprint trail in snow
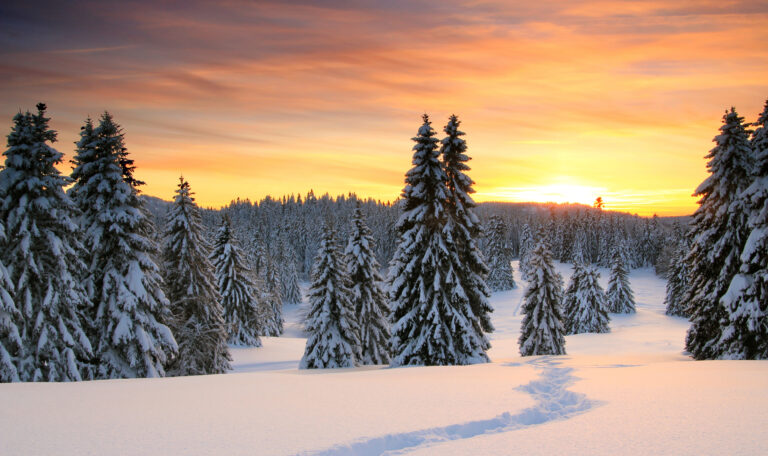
553, 402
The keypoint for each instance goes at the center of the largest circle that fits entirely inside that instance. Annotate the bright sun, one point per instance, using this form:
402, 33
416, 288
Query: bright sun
559, 192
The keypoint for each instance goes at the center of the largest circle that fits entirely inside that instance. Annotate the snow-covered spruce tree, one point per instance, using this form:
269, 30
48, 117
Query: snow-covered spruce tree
542, 332
237, 291
198, 319
621, 299
465, 229
334, 334
431, 326
291, 292
499, 258
526, 246
273, 298
677, 282
10, 317
123, 281
719, 231
745, 332
571, 298
42, 253
369, 300
589, 314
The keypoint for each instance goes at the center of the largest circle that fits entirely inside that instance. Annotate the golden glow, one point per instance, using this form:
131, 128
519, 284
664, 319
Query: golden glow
551, 193
562, 100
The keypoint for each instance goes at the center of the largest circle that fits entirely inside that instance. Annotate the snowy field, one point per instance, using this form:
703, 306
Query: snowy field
628, 392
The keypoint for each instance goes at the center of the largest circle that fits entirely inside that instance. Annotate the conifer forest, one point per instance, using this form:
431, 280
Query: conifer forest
377, 228
100, 281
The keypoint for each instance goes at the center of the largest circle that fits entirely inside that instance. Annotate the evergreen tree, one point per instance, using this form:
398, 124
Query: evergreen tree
237, 291
273, 325
334, 334
745, 332
257, 255
589, 311
371, 309
542, 332
571, 299
621, 299
719, 230
42, 254
429, 305
499, 258
198, 317
464, 228
526, 246
10, 317
677, 283
290, 281
123, 281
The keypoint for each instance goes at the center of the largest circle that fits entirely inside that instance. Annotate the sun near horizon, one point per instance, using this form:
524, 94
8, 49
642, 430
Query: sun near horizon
561, 101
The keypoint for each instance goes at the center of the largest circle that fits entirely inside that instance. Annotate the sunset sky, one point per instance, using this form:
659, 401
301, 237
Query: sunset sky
561, 100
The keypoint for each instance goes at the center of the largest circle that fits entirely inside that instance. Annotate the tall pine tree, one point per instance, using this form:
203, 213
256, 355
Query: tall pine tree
719, 231
124, 283
43, 255
371, 309
237, 291
542, 331
291, 289
621, 298
571, 298
273, 298
500, 276
745, 332
677, 283
464, 226
527, 244
334, 334
589, 311
198, 319
431, 326
10, 338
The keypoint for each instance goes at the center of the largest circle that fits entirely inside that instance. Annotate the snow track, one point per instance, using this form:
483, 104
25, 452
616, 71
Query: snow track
553, 402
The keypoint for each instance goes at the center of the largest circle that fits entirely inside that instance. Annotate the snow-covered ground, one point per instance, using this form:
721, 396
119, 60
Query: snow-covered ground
628, 392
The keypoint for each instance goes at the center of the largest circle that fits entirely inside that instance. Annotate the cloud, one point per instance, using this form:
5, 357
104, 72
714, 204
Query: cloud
601, 89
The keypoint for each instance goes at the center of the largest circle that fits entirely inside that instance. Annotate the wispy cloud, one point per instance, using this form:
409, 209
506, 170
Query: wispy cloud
621, 95
91, 50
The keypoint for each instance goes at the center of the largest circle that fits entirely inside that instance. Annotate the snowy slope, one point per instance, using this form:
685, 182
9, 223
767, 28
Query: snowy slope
627, 392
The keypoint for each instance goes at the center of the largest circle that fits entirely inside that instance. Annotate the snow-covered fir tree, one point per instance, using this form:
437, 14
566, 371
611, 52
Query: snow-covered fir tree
42, 252
333, 332
368, 298
621, 298
257, 255
198, 318
527, 244
677, 282
472, 292
745, 332
542, 331
10, 338
124, 283
571, 298
237, 291
290, 292
719, 230
430, 309
290, 282
273, 298
499, 257
589, 311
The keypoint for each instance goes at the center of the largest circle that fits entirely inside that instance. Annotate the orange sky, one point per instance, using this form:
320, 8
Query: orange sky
561, 100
